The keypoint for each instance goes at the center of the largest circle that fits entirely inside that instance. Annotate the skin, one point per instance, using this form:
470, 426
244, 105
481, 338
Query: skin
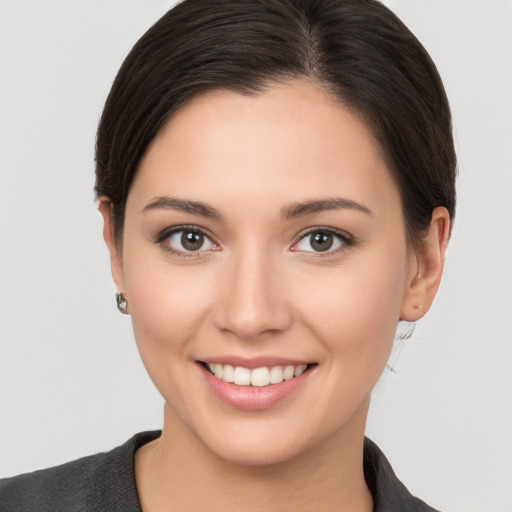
259, 288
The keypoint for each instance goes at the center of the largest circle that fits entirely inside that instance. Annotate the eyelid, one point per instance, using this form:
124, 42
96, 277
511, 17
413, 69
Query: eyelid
166, 233
346, 239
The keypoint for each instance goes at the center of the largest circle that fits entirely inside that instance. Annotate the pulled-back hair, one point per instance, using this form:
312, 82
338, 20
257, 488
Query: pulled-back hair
358, 50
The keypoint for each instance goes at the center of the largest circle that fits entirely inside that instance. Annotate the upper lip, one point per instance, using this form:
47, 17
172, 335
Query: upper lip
255, 362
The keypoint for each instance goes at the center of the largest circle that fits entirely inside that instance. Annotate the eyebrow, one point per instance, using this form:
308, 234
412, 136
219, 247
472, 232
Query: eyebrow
295, 210
288, 212
194, 207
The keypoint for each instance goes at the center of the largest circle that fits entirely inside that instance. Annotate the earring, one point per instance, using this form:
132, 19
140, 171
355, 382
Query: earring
419, 308
121, 302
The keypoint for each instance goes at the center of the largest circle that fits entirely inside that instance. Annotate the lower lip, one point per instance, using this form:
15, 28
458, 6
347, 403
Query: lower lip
253, 398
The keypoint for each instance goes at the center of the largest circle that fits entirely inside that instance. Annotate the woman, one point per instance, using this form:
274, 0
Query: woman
276, 180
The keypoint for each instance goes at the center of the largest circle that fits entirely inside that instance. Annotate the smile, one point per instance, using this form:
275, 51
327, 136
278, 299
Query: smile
258, 377
255, 383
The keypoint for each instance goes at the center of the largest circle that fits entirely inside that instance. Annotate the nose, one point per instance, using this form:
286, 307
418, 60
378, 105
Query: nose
252, 300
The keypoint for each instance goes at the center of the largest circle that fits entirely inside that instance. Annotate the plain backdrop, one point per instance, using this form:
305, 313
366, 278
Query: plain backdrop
71, 382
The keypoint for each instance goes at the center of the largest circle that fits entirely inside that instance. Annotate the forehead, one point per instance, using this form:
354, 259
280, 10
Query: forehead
290, 142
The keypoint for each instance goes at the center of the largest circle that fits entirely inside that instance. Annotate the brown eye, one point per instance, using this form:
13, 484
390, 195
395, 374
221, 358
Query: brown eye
192, 240
186, 241
321, 240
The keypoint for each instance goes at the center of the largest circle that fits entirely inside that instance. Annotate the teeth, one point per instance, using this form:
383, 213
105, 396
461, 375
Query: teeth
300, 370
288, 373
258, 377
218, 371
242, 376
276, 375
228, 373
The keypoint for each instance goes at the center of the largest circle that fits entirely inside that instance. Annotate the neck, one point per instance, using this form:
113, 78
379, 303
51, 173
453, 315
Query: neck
177, 471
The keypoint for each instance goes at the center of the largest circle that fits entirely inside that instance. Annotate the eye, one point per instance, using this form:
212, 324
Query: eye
321, 240
186, 240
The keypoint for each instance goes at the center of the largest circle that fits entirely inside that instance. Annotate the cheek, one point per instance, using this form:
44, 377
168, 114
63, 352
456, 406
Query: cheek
354, 310
168, 306
167, 301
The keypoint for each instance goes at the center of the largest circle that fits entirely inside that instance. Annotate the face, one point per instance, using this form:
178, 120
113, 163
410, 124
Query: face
264, 238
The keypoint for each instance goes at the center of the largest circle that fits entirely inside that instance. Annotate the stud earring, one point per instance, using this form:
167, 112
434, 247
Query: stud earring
419, 308
121, 302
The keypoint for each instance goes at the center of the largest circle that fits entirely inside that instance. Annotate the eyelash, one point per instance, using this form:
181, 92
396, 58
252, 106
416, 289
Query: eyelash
167, 233
344, 239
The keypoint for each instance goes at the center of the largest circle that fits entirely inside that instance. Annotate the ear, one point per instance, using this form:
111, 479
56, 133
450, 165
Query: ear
116, 262
426, 268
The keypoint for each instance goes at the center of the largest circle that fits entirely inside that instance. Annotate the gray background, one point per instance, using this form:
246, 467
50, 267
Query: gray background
71, 382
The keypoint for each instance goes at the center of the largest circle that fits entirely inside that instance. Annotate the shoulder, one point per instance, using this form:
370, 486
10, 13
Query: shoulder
389, 494
104, 481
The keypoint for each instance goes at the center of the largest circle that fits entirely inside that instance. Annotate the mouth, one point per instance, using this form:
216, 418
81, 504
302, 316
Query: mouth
256, 377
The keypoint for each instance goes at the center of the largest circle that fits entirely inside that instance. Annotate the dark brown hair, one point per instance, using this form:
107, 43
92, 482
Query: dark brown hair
358, 50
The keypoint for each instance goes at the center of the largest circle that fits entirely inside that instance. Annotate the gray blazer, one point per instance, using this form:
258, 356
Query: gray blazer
106, 483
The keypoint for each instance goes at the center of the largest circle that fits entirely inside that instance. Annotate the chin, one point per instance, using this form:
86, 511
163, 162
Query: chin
268, 440
256, 452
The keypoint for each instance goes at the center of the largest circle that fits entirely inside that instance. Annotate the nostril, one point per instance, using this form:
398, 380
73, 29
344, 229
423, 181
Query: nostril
252, 322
